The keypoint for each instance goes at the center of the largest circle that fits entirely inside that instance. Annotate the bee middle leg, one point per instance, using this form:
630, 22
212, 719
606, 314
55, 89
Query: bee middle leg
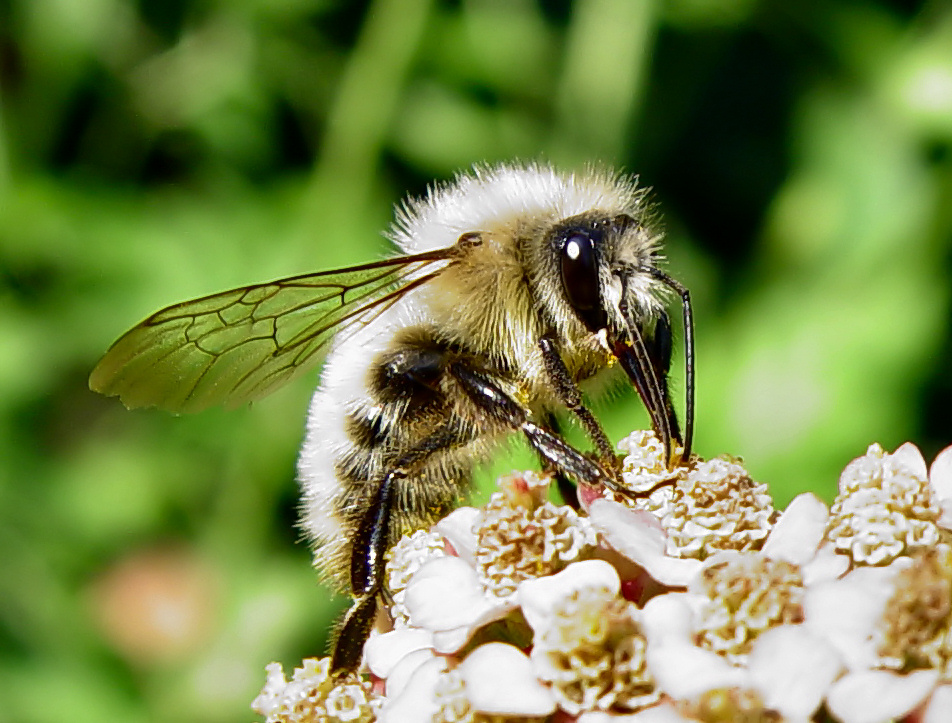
493, 401
566, 487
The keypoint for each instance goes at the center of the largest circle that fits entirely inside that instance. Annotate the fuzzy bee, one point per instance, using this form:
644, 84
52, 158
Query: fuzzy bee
518, 283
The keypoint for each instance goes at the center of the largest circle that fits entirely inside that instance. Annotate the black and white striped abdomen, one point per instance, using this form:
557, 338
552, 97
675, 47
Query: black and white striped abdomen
382, 398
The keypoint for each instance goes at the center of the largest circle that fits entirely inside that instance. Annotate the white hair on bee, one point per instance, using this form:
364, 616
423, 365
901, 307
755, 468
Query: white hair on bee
508, 194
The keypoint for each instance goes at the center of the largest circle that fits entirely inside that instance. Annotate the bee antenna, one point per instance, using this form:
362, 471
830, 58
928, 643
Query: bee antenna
689, 363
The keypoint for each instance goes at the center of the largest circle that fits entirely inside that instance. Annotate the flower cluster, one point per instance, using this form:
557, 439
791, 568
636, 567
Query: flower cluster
520, 535
313, 694
679, 596
708, 506
886, 508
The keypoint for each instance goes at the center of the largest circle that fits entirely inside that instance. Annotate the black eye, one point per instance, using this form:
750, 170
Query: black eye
579, 265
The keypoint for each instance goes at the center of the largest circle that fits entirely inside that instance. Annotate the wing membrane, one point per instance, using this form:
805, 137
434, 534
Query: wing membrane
240, 345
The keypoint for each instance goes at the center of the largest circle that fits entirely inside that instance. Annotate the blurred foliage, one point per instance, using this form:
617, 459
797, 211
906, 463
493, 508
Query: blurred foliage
157, 150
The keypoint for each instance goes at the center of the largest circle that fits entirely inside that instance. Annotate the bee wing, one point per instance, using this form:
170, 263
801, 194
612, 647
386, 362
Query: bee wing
240, 345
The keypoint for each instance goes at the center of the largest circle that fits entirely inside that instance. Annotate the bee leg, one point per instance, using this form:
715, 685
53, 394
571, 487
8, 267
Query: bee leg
659, 345
571, 397
566, 487
366, 576
371, 542
490, 398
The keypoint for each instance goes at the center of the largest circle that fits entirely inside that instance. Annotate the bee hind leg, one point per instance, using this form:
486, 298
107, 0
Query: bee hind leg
366, 576
371, 542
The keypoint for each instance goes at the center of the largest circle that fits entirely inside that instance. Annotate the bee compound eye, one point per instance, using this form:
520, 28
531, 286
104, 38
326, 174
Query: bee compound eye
579, 266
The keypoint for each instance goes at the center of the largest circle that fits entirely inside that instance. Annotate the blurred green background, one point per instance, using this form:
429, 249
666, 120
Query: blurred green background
157, 150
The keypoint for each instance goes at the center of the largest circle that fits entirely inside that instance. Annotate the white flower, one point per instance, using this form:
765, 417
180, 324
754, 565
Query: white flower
522, 609
520, 535
410, 554
539, 598
588, 644
269, 699
707, 506
746, 594
314, 694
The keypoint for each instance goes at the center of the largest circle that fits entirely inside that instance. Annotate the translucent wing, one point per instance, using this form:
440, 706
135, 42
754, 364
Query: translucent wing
240, 345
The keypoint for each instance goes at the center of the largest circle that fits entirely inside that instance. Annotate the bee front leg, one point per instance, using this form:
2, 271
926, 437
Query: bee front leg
571, 397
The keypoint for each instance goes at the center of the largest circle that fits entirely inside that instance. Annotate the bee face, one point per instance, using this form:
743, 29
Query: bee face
596, 260
518, 283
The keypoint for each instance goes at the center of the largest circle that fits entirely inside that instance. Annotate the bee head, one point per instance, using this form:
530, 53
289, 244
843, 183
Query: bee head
609, 282
601, 261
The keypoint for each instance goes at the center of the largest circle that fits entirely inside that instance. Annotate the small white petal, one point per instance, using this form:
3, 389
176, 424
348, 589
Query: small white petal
416, 702
940, 478
638, 535
685, 671
446, 598
845, 613
457, 529
450, 641
269, 698
945, 519
910, 456
405, 668
874, 696
792, 669
383, 651
661, 713
939, 709
500, 680
537, 597
668, 618
826, 565
444, 594
799, 531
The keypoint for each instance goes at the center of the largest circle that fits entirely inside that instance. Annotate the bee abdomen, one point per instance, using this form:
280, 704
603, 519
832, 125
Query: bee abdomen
400, 417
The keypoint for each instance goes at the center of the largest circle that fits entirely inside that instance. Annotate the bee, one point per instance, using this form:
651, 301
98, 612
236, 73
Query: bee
517, 284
